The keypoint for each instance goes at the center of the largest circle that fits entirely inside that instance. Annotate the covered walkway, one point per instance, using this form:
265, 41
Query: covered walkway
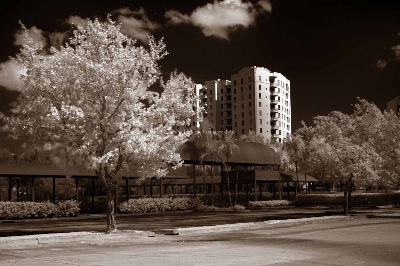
252, 170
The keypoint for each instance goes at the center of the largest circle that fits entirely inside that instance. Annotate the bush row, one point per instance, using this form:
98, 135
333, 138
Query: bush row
269, 203
22, 210
357, 199
145, 205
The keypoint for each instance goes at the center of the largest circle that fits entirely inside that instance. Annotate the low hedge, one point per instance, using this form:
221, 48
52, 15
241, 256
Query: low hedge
269, 203
145, 205
357, 199
26, 209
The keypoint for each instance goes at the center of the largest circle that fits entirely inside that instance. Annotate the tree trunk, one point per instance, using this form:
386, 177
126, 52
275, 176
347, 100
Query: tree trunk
111, 223
347, 196
204, 185
229, 189
236, 184
212, 186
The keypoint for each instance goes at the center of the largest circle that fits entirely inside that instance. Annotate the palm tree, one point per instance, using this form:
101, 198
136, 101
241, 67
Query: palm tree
226, 148
210, 152
203, 142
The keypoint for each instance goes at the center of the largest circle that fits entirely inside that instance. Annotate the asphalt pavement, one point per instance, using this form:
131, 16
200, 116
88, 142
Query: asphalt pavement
162, 222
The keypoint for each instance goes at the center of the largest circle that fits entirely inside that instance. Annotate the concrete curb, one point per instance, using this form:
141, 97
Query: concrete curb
82, 237
255, 225
388, 215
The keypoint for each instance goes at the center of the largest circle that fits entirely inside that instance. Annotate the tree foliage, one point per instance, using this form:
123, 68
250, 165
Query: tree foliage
360, 149
89, 104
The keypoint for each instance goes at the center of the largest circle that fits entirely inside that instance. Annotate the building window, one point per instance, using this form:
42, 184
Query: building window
260, 121
259, 96
259, 78
222, 106
260, 130
235, 124
234, 82
249, 96
249, 87
234, 91
242, 123
259, 87
249, 104
242, 105
260, 113
241, 89
259, 104
242, 114
234, 99
241, 81
249, 79
242, 131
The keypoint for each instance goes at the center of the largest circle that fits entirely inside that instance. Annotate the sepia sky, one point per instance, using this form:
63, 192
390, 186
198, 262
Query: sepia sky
332, 51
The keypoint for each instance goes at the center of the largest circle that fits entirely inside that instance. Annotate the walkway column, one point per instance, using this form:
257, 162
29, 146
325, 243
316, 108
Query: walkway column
288, 193
77, 189
127, 188
151, 187
54, 190
161, 187
9, 188
32, 189
92, 185
18, 194
194, 180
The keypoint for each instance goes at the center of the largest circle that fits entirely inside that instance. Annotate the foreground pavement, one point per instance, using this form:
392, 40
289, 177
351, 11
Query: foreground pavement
308, 241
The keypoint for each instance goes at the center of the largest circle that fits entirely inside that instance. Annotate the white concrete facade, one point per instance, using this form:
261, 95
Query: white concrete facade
394, 106
254, 99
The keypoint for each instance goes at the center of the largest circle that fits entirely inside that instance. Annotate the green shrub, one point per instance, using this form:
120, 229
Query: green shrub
67, 208
269, 203
22, 210
357, 199
145, 205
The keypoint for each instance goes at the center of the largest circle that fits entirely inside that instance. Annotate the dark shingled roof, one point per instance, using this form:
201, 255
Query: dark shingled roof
248, 153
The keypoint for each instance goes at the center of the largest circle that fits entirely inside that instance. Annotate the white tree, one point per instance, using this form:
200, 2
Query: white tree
89, 104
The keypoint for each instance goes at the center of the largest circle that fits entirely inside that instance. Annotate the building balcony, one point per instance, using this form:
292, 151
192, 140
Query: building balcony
274, 126
275, 101
274, 109
274, 84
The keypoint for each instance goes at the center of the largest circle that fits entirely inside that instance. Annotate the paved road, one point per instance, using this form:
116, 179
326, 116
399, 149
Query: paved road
358, 241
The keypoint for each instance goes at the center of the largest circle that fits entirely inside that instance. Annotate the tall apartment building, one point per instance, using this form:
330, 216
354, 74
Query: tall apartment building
394, 105
254, 99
